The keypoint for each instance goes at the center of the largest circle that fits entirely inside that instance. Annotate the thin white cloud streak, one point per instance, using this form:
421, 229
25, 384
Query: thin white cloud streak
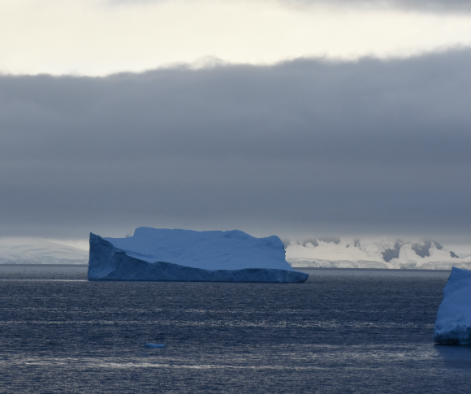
93, 38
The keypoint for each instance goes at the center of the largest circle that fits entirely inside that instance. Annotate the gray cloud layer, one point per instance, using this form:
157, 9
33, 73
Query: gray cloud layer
459, 6
357, 147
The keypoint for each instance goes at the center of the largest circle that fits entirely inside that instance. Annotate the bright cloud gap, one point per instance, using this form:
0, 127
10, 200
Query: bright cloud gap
53, 40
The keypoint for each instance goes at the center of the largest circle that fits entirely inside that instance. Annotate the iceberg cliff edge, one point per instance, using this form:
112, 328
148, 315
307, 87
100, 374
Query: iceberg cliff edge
153, 254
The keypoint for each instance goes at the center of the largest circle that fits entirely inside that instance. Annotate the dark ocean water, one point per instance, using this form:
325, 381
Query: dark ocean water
344, 331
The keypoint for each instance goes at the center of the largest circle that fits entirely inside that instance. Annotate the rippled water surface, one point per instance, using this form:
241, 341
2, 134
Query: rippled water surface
343, 331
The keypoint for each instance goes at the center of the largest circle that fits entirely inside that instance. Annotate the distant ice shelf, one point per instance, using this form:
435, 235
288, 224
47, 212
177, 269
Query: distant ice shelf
153, 254
454, 314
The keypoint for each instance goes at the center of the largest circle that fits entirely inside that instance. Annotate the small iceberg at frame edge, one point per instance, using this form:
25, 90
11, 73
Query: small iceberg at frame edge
453, 324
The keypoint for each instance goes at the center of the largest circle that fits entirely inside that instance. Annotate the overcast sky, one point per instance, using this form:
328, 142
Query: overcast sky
288, 117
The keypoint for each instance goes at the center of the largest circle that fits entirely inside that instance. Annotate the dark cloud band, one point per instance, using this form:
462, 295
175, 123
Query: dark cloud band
343, 147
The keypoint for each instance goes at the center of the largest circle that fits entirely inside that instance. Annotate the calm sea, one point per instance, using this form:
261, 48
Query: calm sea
343, 331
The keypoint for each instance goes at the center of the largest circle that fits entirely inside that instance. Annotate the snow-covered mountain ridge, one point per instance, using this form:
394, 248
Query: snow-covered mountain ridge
376, 253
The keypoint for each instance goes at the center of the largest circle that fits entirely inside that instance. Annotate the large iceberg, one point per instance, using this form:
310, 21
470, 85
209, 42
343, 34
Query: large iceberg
454, 314
183, 255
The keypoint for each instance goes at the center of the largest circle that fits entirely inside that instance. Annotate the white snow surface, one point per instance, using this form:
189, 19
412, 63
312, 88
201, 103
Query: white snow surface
453, 323
209, 250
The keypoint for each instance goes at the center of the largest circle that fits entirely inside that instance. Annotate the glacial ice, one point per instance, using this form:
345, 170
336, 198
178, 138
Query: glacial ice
153, 254
454, 314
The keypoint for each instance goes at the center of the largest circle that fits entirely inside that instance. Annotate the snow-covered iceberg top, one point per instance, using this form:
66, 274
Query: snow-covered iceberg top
453, 324
186, 255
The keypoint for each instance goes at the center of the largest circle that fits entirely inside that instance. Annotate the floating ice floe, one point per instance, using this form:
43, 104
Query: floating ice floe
183, 255
454, 314
152, 345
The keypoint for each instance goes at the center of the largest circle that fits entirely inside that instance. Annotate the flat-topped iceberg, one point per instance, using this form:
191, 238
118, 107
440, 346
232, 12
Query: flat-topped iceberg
153, 254
454, 314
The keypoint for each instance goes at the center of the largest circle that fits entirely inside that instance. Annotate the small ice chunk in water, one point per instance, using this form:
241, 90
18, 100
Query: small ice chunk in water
152, 345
